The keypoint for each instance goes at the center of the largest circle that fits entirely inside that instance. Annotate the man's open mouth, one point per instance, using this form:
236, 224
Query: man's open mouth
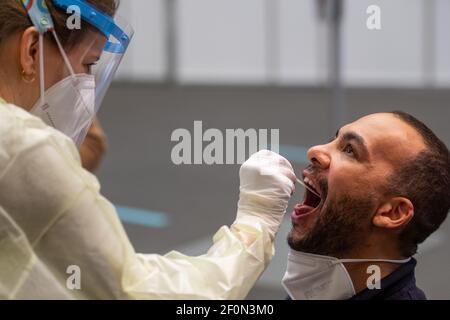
311, 201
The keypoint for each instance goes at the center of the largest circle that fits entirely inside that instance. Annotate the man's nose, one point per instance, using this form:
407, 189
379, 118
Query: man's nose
319, 157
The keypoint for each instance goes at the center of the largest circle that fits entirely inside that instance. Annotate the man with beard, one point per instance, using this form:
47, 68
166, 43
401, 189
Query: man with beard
383, 186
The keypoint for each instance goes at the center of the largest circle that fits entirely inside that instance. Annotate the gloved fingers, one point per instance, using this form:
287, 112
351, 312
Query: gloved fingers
264, 162
285, 163
285, 169
270, 159
289, 173
287, 181
266, 166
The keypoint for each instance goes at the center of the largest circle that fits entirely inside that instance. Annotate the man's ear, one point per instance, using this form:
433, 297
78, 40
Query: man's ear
29, 51
394, 214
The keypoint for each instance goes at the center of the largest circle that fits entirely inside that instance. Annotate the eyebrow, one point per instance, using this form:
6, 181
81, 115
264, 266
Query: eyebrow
353, 136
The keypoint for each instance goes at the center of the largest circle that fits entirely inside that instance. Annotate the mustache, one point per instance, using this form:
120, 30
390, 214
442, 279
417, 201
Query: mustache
322, 182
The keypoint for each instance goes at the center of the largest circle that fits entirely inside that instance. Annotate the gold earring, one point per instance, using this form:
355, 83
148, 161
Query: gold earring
28, 80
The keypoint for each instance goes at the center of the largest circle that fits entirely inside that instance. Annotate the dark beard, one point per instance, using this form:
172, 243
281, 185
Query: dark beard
338, 229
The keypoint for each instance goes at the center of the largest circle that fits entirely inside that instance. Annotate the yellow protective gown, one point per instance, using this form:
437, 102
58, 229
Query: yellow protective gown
52, 217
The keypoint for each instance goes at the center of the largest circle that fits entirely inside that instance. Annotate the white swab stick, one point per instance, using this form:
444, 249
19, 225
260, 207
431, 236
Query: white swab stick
307, 187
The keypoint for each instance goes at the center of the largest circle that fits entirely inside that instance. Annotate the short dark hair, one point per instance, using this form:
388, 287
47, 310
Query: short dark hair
425, 181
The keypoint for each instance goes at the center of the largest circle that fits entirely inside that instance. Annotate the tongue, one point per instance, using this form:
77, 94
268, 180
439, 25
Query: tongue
302, 209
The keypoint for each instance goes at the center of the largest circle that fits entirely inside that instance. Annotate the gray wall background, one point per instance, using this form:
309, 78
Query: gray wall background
283, 41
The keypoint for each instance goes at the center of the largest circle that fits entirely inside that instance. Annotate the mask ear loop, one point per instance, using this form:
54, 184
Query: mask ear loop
64, 55
41, 63
66, 60
41, 69
372, 260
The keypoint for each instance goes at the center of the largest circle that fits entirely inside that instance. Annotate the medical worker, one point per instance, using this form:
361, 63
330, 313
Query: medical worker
54, 222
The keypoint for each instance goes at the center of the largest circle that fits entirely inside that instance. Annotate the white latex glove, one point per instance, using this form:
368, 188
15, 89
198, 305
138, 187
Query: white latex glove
267, 184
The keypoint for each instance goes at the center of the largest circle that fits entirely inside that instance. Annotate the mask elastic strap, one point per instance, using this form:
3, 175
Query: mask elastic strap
41, 68
64, 55
371, 260
66, 59
41, 63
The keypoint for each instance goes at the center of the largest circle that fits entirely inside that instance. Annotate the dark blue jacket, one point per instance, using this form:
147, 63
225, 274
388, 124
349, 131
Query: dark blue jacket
399, 285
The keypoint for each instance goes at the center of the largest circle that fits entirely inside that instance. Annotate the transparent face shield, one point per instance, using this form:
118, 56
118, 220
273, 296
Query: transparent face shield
87, 68
113, 52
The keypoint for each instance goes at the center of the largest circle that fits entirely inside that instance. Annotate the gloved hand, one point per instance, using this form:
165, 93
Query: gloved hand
267, 183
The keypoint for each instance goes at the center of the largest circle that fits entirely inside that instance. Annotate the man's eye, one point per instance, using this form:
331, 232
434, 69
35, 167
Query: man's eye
348, 149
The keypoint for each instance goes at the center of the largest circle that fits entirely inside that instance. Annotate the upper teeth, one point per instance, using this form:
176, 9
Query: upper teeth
310, 183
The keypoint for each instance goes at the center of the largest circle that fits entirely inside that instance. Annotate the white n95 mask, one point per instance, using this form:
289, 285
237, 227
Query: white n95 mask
69, 106
316, 277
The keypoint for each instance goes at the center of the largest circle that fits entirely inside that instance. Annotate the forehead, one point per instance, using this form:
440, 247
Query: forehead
387, 137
